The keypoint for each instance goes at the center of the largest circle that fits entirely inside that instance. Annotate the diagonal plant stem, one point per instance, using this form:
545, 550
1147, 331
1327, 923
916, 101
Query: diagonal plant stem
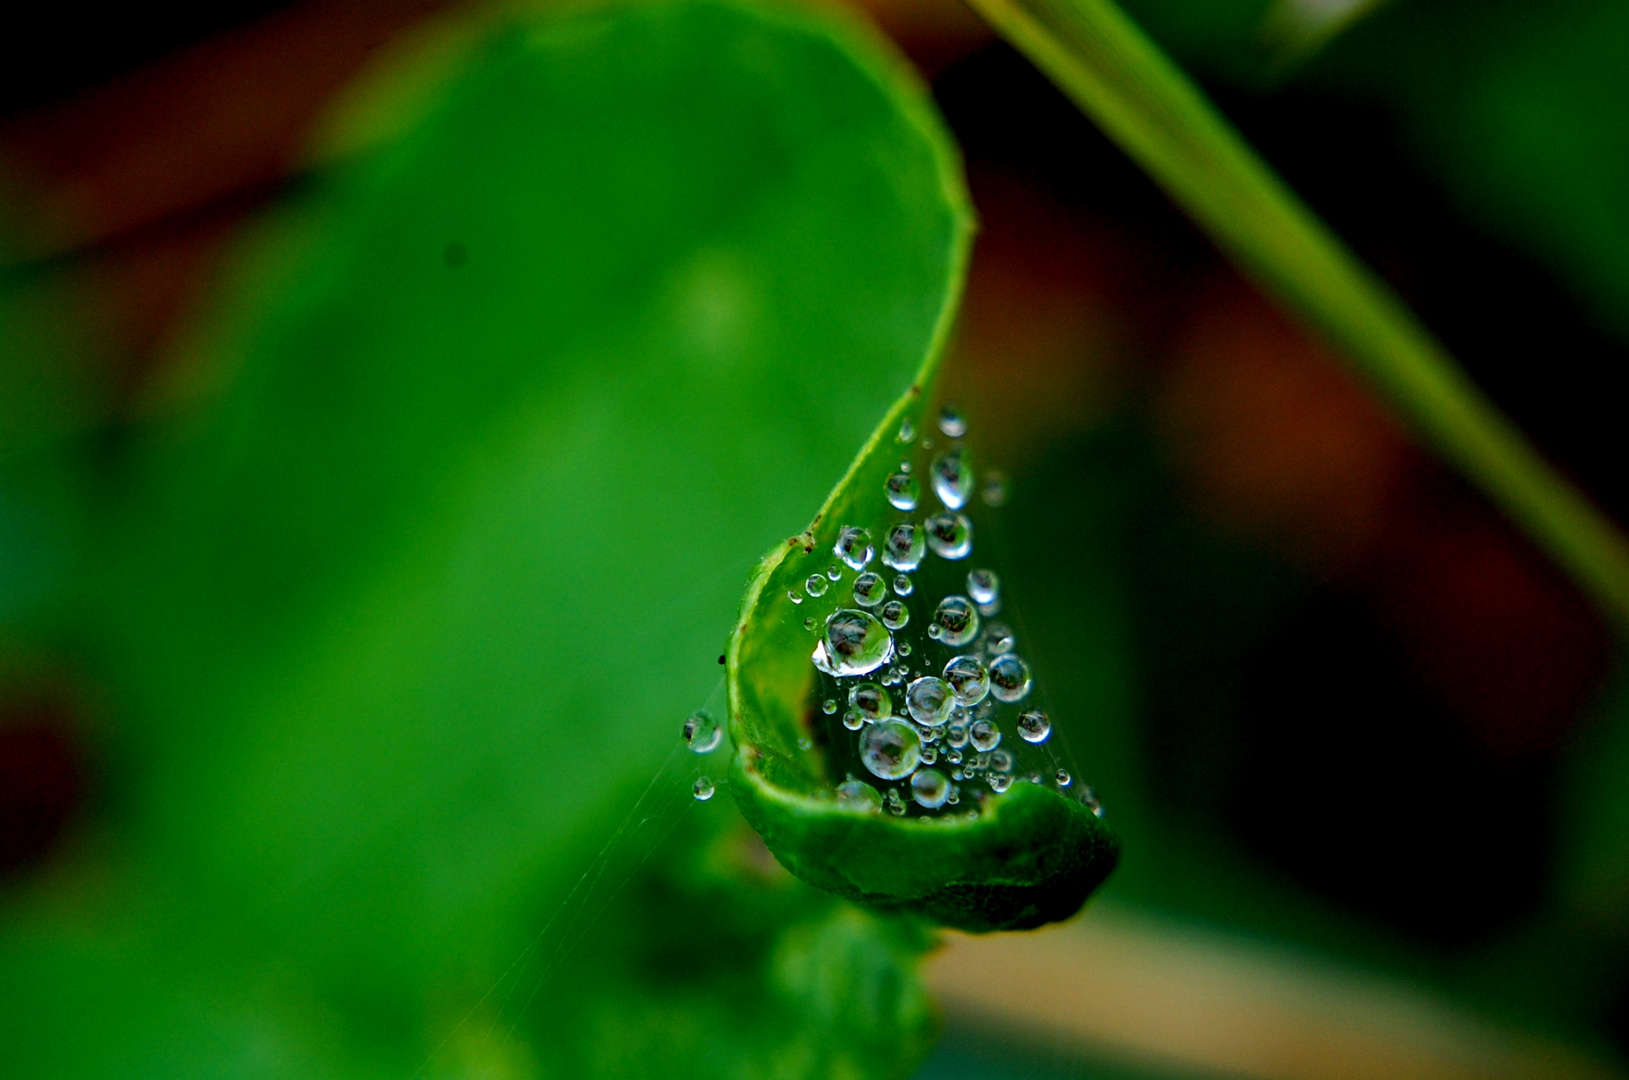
1147, 105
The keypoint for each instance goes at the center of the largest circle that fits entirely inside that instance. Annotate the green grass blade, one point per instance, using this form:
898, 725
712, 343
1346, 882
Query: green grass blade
1143, 101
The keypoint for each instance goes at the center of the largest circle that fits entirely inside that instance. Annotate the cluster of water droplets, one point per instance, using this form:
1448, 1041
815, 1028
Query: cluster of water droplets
927, 684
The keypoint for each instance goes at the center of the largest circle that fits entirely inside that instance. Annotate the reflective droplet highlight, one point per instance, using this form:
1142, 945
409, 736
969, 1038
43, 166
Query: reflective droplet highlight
955, 622
952, 422
869, 590
984, 735
828, 706
1062, 777
949, 535
930, 788
854, 643
968, 679
1034, 727
854, 546
815, 586
702, 789
890, 749
998, 639
903, 586
904, 547
999, 782
895, 615
929, 701
952, 479
907, 430
702, 732
902, 491
983, 586
857, 795
1009, 678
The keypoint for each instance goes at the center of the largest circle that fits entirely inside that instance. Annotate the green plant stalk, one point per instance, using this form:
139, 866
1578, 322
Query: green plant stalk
1145, 103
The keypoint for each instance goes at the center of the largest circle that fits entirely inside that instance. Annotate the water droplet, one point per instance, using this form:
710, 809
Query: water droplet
896, 805
952, 479
903, 585
895, 615
998, 639
808, 623
890, 749
930, 788
904, 547
857, 795
804, 744
1001, 761
957, 736
956, 774
854, 643
929, 700
815, 586
1062, 777
954, 797
930, 754
1089, 797
1034, 727
904, 646
853, 720
871, 701
956, 620
834, 572
905, 467
952, 422
930, 734
999, 782
828, 706
702, 789
984, 735
702, 733
869, 590
854, 546
968, 678
907, 430
1009, 677
949, 535
792, 595
994, 491
903, 491
983, 586
954, 756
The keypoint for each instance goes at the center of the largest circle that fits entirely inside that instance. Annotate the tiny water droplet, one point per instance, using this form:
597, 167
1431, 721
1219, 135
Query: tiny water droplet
905, 646
984, 735
930, 754
1009, 678
890, 749
930, 734
930, 788
1034, 727
857, 795
949, 535
1034, 778
907, 430
792, 595
815, 586
903, 585
929, 701
895, 615
998, 639
853, 720
952, 422
854, 643
999, 782
903, 491
957, 736
956, 620
1001, 761
994, 491
984, 587
808, 623
896, 805
828, 706
871, 701
952, 479
834, 572
702, 733
804, 744
1089, 797
954, 797
956, 774
904, 547
927, 442
1062, 777
854, 546
869, 590
702, 789
968, 678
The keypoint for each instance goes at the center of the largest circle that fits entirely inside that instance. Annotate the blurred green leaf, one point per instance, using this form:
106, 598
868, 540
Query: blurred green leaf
392, 625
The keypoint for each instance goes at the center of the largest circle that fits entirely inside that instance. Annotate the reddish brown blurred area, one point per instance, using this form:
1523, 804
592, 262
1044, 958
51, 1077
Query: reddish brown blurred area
42, 779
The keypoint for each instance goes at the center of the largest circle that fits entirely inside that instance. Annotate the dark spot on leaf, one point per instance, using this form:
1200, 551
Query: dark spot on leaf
721, 658
41, 781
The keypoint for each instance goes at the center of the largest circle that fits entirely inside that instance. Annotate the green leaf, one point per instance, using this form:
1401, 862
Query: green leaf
392, 624
1163, 121
1000, 858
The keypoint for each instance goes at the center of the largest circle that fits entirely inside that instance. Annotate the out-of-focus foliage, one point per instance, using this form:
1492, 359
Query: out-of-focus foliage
392, 617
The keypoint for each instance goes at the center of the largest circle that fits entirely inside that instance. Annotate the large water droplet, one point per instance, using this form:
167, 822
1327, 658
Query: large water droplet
984, 735
815, 586
930, 788
854, 643
859, 796
895, 615
1009, 677
1033, 726
949, 535
904, 547
854, 546
952, 422
929, 701
984, 587
702, 789
968, 678
903, 491
952, 479
869, 590
956, 621
890, 749
871, 701
702, 733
